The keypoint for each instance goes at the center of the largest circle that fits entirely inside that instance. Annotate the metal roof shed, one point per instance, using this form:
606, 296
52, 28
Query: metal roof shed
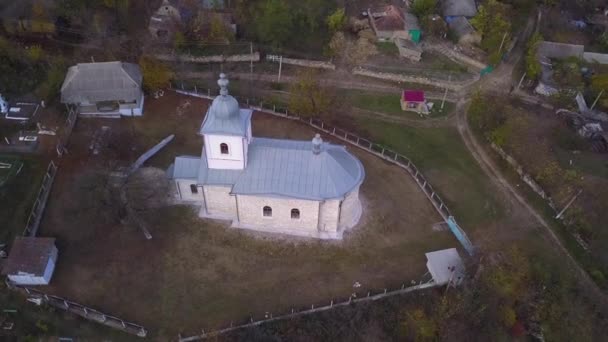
445, 266
31, 261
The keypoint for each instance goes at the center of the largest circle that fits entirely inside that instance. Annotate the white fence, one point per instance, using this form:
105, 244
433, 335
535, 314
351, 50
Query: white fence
83, 311
33, 221
313, 309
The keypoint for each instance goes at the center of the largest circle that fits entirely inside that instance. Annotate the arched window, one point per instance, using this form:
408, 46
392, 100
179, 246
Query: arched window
193, 188
295, 213
224, 148
267, 211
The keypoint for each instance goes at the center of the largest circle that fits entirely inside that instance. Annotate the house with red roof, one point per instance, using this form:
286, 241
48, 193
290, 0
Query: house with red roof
414, 101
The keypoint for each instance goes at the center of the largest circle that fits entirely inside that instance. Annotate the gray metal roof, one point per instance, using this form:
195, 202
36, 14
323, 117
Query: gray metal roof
559, 50
232, 125
445, 266
283, 168
29, 255
289, 168
457, 8
224, 115
186, 167
107, 81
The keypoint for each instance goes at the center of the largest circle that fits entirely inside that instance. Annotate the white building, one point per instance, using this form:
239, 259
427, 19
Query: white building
446, 267
31, 261
305, 188
108, 89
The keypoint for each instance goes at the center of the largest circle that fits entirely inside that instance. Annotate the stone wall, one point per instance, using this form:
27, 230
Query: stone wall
220, 204
185, 192
302, 62
351, 210
523, 175
328, 216
456, 56
251, 213
255, 57
451, 85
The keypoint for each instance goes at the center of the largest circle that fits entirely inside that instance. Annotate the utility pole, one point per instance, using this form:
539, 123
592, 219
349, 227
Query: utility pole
504, 36
521, 81
446, 92
250, 67
280, 67
596, 99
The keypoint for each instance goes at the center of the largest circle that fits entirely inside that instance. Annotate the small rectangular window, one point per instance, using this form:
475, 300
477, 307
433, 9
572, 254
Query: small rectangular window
193, 188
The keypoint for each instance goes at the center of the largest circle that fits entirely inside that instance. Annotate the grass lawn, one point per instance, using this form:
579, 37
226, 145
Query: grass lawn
445, 161
18, 194
388, 48
197, 274
389, 104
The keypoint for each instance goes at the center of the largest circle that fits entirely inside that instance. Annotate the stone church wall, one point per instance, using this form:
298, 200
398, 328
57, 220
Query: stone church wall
219, 202
328, 220
251, 214
350, 212
183, 186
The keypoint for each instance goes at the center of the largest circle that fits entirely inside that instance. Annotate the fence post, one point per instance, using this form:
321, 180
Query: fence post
331, 304
195, 90
383, 152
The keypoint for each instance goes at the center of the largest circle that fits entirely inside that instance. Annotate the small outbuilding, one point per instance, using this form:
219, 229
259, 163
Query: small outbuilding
446, 267
414, 101
108, 89
31, 261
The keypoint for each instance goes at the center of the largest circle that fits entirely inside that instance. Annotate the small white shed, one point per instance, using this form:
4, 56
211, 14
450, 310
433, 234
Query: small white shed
445, 266
31, 261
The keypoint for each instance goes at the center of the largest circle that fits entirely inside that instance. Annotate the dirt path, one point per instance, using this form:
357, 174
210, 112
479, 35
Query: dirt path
489, 167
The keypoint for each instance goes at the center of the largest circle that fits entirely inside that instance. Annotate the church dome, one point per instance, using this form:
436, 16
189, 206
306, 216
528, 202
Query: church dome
224, 106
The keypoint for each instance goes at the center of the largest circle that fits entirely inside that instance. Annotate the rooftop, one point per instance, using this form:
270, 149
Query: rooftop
29, 255
283, 168
445, 265
390, 18
459, 8
413, 95
106, 81
224, 115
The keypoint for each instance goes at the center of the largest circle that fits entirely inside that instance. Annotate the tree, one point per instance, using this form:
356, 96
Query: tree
494, 26
274, 23
218, 31
350, 52
337, 20
308, 97
423, 8
419, 326
155, 73
533, 67
599, 82
434, 26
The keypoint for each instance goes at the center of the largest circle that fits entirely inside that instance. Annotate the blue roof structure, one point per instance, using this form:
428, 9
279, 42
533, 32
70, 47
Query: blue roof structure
282, 168
224, 115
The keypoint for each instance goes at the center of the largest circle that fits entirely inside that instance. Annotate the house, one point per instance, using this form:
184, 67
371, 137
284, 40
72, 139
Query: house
107, 89
464, 31
31, 261
414, 100
391, 22
174, 14
458, 8
446, 267
302, 188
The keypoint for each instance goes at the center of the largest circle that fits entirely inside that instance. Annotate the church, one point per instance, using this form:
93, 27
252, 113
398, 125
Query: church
304, 188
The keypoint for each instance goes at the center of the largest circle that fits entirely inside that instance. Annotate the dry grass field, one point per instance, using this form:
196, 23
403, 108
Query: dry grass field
197, 273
